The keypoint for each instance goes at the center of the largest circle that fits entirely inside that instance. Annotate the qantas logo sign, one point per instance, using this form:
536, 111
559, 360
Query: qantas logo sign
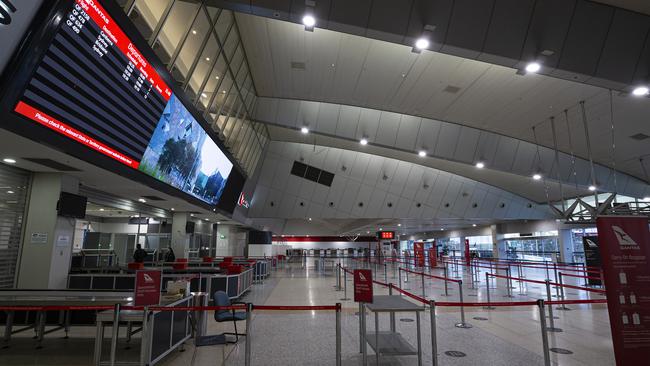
624, 239
362, 277
591, 243
147, 278
6, 11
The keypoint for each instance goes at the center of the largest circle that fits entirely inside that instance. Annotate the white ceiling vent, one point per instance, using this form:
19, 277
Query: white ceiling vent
297, 65
451, 89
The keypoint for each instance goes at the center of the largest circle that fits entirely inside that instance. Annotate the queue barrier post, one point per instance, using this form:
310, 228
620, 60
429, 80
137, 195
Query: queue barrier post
557, 289
508, 283
434, 341
338, 334
385, 273
144, 348
446, 285
345, 285
462, 323
115, 333
542, 321
248, 344
487, 282
424, 294
551, 328
584, 270
562, 306
399, 270
338, 277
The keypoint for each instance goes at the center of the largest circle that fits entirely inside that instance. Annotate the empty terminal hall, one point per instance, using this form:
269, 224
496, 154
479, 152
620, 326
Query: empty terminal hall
325, 182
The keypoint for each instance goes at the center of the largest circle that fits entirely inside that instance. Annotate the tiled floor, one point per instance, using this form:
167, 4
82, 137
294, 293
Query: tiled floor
504, 336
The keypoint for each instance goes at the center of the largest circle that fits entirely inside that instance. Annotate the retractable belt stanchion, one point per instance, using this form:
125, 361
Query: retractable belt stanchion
557, 288
338, 334
392, 314
487, 283
345, 285
115, 333
462, 323
508, 283
434, 342
550, 309
385, 273
562, 306
399, 270
144, 348
248, 344
446, 285
338, 277
424, 294
542, 321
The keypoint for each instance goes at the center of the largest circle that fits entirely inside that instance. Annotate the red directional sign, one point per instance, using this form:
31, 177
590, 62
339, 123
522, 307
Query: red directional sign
147, 287
363, 285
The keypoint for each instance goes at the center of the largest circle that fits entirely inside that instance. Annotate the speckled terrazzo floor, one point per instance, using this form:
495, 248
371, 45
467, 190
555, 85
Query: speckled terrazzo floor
509, 336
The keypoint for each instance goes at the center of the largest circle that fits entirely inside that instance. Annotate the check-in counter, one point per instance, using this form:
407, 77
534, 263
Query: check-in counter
235, 285
163, 332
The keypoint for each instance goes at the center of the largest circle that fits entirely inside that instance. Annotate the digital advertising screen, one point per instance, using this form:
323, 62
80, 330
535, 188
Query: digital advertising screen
96, 88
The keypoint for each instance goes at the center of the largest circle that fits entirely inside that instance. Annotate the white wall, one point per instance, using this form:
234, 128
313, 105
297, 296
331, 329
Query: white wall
324, 245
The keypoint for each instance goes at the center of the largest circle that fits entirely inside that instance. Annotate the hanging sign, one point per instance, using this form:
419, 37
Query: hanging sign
433, 256
592, 257
625, 249
363, 285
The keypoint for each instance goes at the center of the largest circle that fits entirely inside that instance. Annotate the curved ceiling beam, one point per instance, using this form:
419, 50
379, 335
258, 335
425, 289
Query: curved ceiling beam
447, 141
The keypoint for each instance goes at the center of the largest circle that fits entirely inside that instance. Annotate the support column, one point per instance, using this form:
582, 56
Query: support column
565, 245
46, 247
180, 239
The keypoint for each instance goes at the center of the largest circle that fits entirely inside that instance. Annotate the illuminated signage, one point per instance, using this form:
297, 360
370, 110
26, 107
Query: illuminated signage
388, 235
242, 202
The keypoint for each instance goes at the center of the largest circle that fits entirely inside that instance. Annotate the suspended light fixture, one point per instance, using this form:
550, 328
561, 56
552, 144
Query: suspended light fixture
641, 91
533, 67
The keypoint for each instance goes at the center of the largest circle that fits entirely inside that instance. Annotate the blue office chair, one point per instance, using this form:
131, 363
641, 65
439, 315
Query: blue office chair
221, 299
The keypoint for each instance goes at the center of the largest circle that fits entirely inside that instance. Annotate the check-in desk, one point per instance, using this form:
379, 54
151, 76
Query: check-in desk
162, 332
235, 285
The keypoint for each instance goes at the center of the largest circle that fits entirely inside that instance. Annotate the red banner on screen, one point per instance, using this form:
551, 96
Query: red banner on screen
65, 130
418, 251
147, 287
100, 16
362, 285
625, 249
468, 257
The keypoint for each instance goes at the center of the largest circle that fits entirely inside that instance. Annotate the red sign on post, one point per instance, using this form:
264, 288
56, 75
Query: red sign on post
147, 287
432, 256
363, 285
418, 250
468, 258
625, 249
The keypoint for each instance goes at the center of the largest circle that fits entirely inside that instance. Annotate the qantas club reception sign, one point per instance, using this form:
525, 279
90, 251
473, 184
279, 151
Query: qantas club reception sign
625, 250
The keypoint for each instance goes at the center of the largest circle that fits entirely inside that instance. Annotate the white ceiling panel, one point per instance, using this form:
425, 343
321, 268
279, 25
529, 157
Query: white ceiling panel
348, 121
368, 124
376, 203
409, 128
328, 118
388, 127
287, 113
447, 140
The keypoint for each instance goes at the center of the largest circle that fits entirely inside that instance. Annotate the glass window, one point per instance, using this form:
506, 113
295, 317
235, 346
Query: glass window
146, 14
197, 82
224, 24
219, 96
175, 26
231, 43
213, 88
191, 46
236, 60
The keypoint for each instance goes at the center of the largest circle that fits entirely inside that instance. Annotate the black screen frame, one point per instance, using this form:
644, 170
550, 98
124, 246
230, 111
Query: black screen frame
23, 66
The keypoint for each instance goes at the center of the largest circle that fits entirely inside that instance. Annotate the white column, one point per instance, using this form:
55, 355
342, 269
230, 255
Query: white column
47, 242
565, 245
180, 239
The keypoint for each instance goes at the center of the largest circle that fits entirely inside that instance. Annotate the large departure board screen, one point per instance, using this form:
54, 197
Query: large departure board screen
95, 87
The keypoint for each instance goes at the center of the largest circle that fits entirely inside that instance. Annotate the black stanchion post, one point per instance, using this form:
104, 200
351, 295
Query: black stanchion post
249, 341
338, 334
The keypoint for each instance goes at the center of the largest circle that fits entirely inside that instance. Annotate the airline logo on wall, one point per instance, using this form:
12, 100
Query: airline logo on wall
242, 201
15, 16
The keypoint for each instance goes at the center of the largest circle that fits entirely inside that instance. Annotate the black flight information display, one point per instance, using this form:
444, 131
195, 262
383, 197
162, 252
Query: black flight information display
95, 87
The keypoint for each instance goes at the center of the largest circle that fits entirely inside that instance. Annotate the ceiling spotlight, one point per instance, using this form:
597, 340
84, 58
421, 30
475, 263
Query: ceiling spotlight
380, 229
363, 141
646, 199
142, 200
172, 209
218, 222
537, 176
309, 22
473, 225
422, 44
193, 32
399, 224
640, 91
216, 77
310, 219
192, 215
533, 67
422, 153
480, 165
9, 160
207, 58
442, 229
304, 130
207, 219
203, 95
101, 209
592, 188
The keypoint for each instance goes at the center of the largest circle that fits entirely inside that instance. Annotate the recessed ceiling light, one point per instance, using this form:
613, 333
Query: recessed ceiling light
473, 225
422, 43
422, 153
207, 219
310, 219
442, 229
101, 209
223, 92
218, 222
216, 77
646, 199
304, 130
367, 232
309, 20
142, 200
192, 215
480, 165
533, 67
363, 142
193, 31
9, 160
203, 95
399, 224
640, 91
537, 176
173, 209
207, 58
10, 192
333, 65
592, 188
